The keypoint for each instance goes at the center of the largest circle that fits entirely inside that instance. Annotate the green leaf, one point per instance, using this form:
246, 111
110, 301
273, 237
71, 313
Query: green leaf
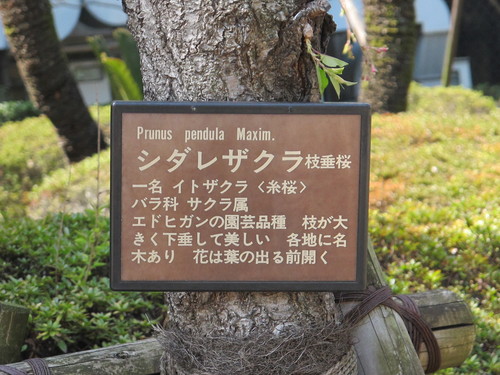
337, 81
322, 79
122, 83
62, 346
332, 62
98, 45
342, 81
336, 85
347, 50
129, 53
335, 70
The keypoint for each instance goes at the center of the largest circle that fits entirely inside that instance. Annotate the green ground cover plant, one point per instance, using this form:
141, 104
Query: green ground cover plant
434, 222
16, 111
58, 267
435, 206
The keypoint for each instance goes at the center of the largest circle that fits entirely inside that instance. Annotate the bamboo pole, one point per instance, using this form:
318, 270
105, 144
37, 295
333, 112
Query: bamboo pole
451, 322
382, 343
140, 357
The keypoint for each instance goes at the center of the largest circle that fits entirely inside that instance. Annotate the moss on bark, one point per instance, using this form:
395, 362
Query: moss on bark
390, 23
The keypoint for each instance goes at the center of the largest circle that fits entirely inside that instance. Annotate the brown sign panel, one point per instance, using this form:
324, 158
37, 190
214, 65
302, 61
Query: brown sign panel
226, 196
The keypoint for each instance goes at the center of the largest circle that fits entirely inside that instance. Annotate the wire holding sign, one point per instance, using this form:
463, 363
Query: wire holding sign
239, 196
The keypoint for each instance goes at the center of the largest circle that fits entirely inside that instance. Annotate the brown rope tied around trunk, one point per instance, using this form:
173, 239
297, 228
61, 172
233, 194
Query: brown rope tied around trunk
38, 365
418, 329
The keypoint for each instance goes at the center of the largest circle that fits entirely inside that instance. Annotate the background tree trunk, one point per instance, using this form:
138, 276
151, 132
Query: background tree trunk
479, 40
389, 23
232, 50
43, 67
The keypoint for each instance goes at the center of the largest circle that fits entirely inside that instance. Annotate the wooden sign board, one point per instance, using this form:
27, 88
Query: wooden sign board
239, 196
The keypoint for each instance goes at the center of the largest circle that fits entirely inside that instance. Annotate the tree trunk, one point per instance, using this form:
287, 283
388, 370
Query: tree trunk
231, 50
43, 67
389, 23
226, 50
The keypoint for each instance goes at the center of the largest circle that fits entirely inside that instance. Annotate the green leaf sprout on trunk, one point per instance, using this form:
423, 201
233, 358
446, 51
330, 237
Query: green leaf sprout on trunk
328, 69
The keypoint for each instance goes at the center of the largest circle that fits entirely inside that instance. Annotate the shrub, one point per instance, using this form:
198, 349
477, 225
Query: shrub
58, 267
489, 90
448, 100
17, 110
29, 151
73, 188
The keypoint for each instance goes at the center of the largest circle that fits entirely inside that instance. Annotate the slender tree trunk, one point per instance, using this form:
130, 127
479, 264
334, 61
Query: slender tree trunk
195, 50
43, 67
390, 23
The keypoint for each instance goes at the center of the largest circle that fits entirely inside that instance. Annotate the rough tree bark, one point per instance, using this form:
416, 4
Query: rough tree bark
43, 67
228, 50
390, 23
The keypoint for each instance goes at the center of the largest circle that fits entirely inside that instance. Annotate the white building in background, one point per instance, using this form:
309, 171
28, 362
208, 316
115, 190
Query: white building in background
77, 19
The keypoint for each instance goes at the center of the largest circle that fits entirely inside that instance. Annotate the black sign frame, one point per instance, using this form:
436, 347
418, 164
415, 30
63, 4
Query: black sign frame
121, 107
